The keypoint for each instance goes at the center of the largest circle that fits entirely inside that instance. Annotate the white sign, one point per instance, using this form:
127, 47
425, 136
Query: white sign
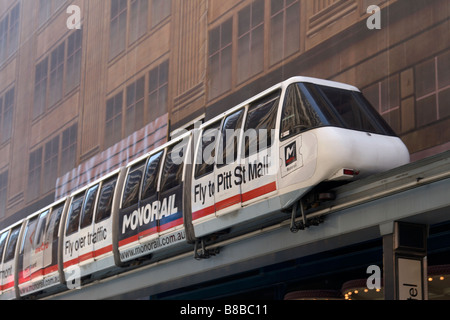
410, 279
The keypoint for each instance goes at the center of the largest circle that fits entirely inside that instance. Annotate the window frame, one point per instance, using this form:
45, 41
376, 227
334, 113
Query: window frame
73, 222
106, 184
158, 156
125, 203
90, 198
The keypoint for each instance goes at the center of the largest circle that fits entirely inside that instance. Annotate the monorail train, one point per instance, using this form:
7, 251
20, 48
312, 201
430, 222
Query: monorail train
240, 171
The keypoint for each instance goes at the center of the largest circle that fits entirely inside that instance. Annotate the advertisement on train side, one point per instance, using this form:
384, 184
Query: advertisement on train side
141, 225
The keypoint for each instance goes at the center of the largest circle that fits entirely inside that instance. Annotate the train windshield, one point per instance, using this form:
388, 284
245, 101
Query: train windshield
308, 106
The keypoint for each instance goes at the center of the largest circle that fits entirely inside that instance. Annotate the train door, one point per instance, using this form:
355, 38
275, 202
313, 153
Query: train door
130, 215
102, 234
8, 266
25, 265
39, 247
51, 240
86, 229
202, 199
259, 150
298, 146
3, 238
71, 243
228, 172
171, 187
149, 197
31, 258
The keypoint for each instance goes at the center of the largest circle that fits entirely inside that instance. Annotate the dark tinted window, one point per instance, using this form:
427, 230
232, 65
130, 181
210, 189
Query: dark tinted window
88, 208
230, 138
105, 200
74, 214
53, 225
173, 166
11, 247
131, 192
151, 176
207, 151
261, 120
298, 114
2, 243
346, 109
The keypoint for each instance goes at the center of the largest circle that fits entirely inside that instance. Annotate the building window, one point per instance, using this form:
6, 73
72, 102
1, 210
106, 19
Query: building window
9, 33
1, 116
52, 74
56, 74
34, 174
220, 62
113, 128
285, 29
129, 21
13, 37
140, 103
135, 106
385, 98
251, 40
138, 19
57, 156
6, 115
69, 149
158, 91
160, 10
432, 89
3, 38
47, 8
118, 27
73, 64
40, 87
51, 164
3, 192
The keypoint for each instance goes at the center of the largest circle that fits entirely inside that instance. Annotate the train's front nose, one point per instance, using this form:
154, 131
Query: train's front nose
356, 154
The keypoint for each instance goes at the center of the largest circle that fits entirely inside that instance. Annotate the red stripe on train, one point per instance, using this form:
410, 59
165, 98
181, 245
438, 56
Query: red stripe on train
258, 192
87, 256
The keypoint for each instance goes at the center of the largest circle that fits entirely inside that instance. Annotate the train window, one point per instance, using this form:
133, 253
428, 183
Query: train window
173, 166
376, 118
348, 108
229, 141
298, 113
27, 241
132, 186
207, 151
261, 121
2, 243
151, 176
74, 215
53, 225
105, 200
40, 228
11, 246
88, 208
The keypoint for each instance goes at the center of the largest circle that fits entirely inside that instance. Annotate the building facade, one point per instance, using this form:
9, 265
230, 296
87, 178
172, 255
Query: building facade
77, 103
